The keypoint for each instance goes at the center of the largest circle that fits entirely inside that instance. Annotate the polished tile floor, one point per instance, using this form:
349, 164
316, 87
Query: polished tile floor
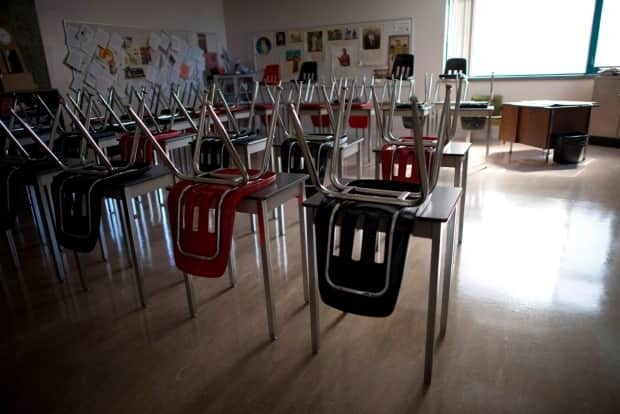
534, 323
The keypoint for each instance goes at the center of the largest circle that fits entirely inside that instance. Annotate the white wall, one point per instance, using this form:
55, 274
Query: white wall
196, 15
246, 17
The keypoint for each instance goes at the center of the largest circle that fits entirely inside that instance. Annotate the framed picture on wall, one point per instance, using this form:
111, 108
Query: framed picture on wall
280, 38
397, 45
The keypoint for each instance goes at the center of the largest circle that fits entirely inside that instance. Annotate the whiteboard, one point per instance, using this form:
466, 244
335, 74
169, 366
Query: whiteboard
101, 56
365, 46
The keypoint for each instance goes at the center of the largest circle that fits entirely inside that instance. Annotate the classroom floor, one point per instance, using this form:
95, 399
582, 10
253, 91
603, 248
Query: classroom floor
533, 324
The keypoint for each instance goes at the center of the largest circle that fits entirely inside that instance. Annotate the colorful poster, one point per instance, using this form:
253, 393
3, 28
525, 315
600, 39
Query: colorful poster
372, 53
293, 63
397, 45
263, 45
334, 35
295, 37
344, 60
315, 42
350, 33
280, 38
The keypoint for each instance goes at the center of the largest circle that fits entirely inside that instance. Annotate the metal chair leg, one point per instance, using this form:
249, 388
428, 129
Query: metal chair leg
189, 289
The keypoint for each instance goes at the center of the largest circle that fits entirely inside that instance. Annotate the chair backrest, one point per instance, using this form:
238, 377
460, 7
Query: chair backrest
271, 74
403, 66
455, 65
309, 71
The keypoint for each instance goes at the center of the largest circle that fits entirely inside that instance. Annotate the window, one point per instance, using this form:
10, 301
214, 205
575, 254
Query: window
534, 37
608, 47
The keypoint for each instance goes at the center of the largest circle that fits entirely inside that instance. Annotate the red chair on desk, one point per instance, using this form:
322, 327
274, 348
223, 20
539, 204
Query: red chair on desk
398, 156
202, 206
271, 77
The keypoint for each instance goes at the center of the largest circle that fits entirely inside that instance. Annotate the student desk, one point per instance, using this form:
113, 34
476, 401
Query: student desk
455, 155
440, 210
536, 122
286, 187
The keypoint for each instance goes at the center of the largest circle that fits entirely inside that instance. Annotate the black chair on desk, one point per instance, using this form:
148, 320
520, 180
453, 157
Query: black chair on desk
364, 228
402, 70
309, 72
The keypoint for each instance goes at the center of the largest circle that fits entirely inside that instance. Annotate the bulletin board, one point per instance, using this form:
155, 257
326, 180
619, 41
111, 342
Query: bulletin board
344, 50
101, 56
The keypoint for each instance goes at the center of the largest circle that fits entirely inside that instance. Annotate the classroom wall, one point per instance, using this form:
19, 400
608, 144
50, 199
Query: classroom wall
243, 18
195, 15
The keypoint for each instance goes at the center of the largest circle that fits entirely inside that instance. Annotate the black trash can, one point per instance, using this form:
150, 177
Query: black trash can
570, 148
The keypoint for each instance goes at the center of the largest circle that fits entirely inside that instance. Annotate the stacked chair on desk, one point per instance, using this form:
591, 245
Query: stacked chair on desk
77, 190
363, 227
202, 205
320, 146
399, 161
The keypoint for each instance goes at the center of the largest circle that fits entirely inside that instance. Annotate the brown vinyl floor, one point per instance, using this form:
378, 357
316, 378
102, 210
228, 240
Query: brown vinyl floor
534, 322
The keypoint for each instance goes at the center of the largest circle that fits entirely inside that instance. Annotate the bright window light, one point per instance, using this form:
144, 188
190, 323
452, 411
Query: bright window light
535, 37
608, 50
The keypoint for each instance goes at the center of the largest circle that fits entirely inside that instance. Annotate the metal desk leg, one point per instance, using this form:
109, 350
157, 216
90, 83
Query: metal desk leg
189, 289
377, 165
488, 134
46, 204
303, 237
130, 235
432, 302
232, 264
248, 163
103, 244
263, 229
80, 270
122, 221
11, 242
358, 159
463, 200
369, 137
315, 331
36, 212
447, 274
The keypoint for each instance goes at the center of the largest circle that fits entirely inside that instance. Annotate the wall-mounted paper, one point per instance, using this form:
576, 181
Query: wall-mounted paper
372, 52
164, 43
176, 43
101, 38
115, 42
345, 60
77, 82
76, 59
90, 80
154, 40
73, 41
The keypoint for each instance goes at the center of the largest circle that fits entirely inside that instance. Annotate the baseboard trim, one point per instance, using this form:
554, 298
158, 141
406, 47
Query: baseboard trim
604, 141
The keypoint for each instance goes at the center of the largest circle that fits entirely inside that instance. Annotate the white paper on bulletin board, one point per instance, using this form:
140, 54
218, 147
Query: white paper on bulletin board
290, 47
101, 56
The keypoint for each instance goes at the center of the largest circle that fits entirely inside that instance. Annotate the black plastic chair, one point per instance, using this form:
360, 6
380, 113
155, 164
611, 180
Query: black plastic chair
309, 71
454, 66
403, 66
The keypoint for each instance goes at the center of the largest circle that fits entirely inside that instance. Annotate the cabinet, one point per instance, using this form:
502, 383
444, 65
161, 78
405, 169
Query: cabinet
605, 121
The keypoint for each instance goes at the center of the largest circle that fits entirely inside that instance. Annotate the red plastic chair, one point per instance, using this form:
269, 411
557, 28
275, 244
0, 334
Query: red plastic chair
145, 152
200, 250
271, 75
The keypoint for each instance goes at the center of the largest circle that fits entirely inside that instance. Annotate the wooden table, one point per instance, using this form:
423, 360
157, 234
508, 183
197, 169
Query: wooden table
536, 122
